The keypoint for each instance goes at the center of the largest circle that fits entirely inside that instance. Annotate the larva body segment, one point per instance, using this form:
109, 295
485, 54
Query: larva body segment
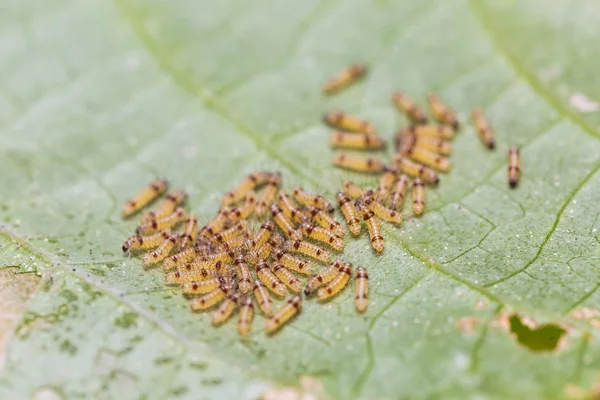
145, 197
245, 317
323, 277
358, 163
344, 78
284, 314
372, 226
309, 199
399, 192
226, 309
349, 211
355, 141
286, 277
416, 170
263, 298
361, 289
268, 195
211, 299
166, 207
409, 108
308, 249
156, 225
270, 281
161, 251
138, 242
190, 232
514, 167
290, 262
253, 180
325, 220
441, 112
418, 196
285, 224
322, 235
336, 285
347, 122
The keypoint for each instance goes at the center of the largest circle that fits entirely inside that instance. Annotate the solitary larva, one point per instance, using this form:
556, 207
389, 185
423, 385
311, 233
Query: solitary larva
399, 192
291, 262
441, 112
284, 224
246, 315
357, 163
322, 235
264, 233
284, 314
262, 298
308, 249
353, 190
210, 299
386, 214
156, 225
514, 166
284, 201
387, 180
486, 133
427, 157
361, 289
349, 212
286, 277
161, 251
268, 195
222, 314
409, 140
138, 242
250, 182
416, 170
314, 200
168, 205
348, 122
244, 277
418, 196
201, 287
337, 283
322, 277
407, 106
245, 210
145, 197
350, 74
356, 141
372, 226
190, 232
271, 281
436, 131
325, 220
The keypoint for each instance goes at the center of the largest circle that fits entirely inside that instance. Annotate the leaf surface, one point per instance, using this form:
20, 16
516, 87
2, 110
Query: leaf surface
98, 98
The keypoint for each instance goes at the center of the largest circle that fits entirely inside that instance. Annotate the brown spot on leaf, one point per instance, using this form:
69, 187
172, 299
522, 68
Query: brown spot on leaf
467, 324
15, 291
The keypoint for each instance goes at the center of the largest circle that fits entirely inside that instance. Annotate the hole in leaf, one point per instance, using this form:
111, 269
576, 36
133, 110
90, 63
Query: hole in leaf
544, 337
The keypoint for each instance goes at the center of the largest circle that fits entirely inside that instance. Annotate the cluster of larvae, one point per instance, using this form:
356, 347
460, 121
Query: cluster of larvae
422, 148
263, 243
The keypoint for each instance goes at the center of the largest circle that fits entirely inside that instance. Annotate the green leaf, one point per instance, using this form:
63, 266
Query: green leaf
98, 98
